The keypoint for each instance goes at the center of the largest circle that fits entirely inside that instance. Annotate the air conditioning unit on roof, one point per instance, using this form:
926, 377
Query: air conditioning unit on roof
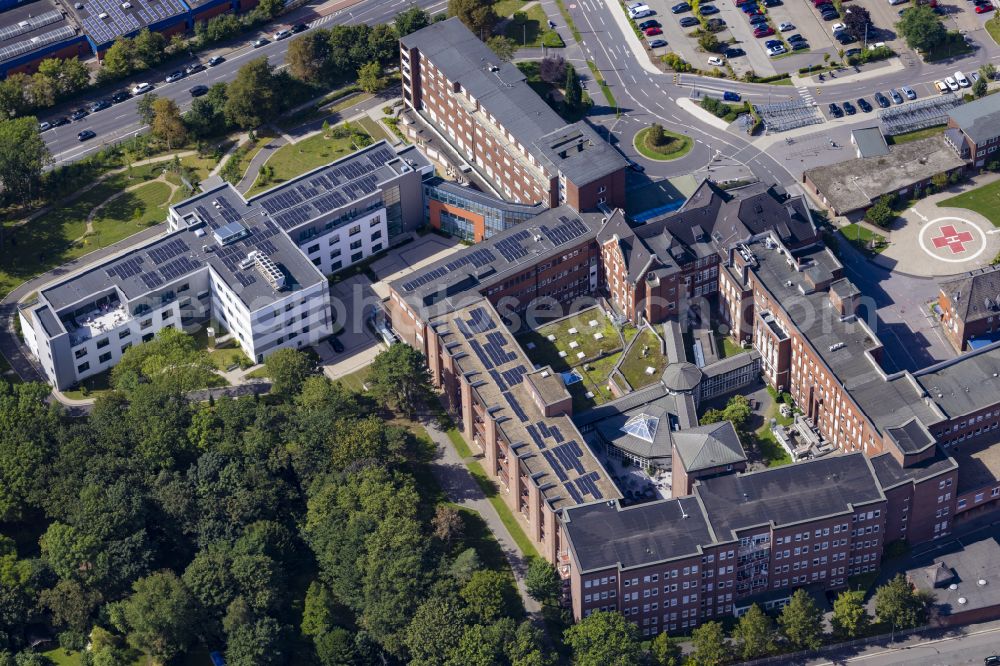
126, 5
103, 16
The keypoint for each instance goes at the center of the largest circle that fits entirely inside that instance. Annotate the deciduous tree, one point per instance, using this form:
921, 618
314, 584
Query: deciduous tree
801, 622
159, 616
503, 47
921, 28
574, 92
23, 156
477, 15
665, 651
287, 369
252, 97
850, 618
167, 125
399, 377
709, 646
370, 77
899, 605
411, 20
604, 638
754, 634
542, 581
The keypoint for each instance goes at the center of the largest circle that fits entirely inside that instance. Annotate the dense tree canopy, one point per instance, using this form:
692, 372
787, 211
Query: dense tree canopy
921, 28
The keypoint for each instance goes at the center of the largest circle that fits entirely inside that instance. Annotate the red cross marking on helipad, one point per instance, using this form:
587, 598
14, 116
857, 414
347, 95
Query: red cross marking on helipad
953, 239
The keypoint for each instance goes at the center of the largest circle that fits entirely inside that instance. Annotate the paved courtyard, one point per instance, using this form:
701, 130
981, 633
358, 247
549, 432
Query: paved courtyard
933, 241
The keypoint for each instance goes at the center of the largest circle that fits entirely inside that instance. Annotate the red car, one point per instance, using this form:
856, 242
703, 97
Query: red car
982, 9
765, 31
652, 31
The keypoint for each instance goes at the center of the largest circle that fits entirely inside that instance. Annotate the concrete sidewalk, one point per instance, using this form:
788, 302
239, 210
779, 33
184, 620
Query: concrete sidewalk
462, 489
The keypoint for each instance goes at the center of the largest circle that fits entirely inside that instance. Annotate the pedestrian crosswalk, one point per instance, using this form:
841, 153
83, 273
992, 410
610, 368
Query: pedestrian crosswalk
806, 96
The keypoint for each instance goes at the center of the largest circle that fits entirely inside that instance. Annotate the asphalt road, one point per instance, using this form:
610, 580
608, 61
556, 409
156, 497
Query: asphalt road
966, 646
122, 120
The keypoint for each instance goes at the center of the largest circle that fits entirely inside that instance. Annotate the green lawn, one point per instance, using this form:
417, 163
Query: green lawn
372, 128
984, 200
727, 347
773, 453
915, 135
595, 381
508, 7
297, 158
355, 381
546, 352
677, 146
96, 385
529, 33
226, 357
57, 236
954, 45
635, 363
993, 27
861, 237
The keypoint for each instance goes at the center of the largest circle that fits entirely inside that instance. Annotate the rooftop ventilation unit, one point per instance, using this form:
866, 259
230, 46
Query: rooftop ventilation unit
249, 261
230, 233
126, 5
103, 16
270, 271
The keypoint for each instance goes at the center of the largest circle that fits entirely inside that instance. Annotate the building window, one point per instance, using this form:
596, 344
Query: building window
357, 257
313, 248
104, 358
377, 247
83, 367
356, 229
124, 334
80, 353
146, 323
102, 343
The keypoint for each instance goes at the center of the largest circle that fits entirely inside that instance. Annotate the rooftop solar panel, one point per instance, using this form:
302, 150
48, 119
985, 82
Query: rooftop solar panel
515, 406
573, 492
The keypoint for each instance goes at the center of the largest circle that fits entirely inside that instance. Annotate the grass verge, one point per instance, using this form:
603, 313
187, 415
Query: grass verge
608, 95
993, 27
295, 159
984, 200
863, 238
915, 135
675, 147
634, 365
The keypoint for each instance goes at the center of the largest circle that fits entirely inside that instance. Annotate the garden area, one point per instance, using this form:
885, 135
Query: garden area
101, 214
728, 112
586, 344
659, 144
644, 362
984, 200
556, 81
863, 238
297, 158
528, 26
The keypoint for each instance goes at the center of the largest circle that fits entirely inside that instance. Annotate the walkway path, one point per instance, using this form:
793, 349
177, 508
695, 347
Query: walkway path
99, 207
462, 489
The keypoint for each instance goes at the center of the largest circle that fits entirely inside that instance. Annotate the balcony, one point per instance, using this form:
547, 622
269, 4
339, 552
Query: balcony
103, 317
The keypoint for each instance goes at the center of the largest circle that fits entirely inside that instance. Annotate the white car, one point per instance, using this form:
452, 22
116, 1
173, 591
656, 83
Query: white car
837, 27
715, 61
141, 88
950, 82
776, 50
785, 27
962, 81
281, 34
640, 9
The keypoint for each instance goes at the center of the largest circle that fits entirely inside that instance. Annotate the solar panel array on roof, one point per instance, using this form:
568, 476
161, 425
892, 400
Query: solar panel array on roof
123, 20
478, 257
327, 190
151, 280
168, 251
565, 231
511, 247
12, 51
126, 269
179, 268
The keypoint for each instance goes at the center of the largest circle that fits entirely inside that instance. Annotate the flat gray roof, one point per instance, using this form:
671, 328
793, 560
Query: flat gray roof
966, 384
325, 190
979, 119
870, 142
502, 91
854, 184
789, 494
179, 254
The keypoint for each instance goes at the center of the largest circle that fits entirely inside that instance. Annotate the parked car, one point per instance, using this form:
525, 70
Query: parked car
282, 34
715, 24
852, 52
763, 31
642, 13
216, 60
706, 10
299, 27
881, 100
992, 660
716, 61
175, 76
44, 126
59, 122
772, 3
835, 111
785, 27
194, 68
657, 43
831, 15
983, 9
796, 38
120, 96
896, 97
680, 8
864, 105
649, 24
776, 50
79, 114
730, 96
961, 79
85, 134
799, 46
689, 21
849, 109
941, 86
337, 345
951, 83
734, 52
772, 42
837, 27
141, 88
758, 19
845, 37
100, 105
198, 91
650, 32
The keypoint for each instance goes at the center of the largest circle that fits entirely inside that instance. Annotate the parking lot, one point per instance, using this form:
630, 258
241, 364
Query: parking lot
924, 91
